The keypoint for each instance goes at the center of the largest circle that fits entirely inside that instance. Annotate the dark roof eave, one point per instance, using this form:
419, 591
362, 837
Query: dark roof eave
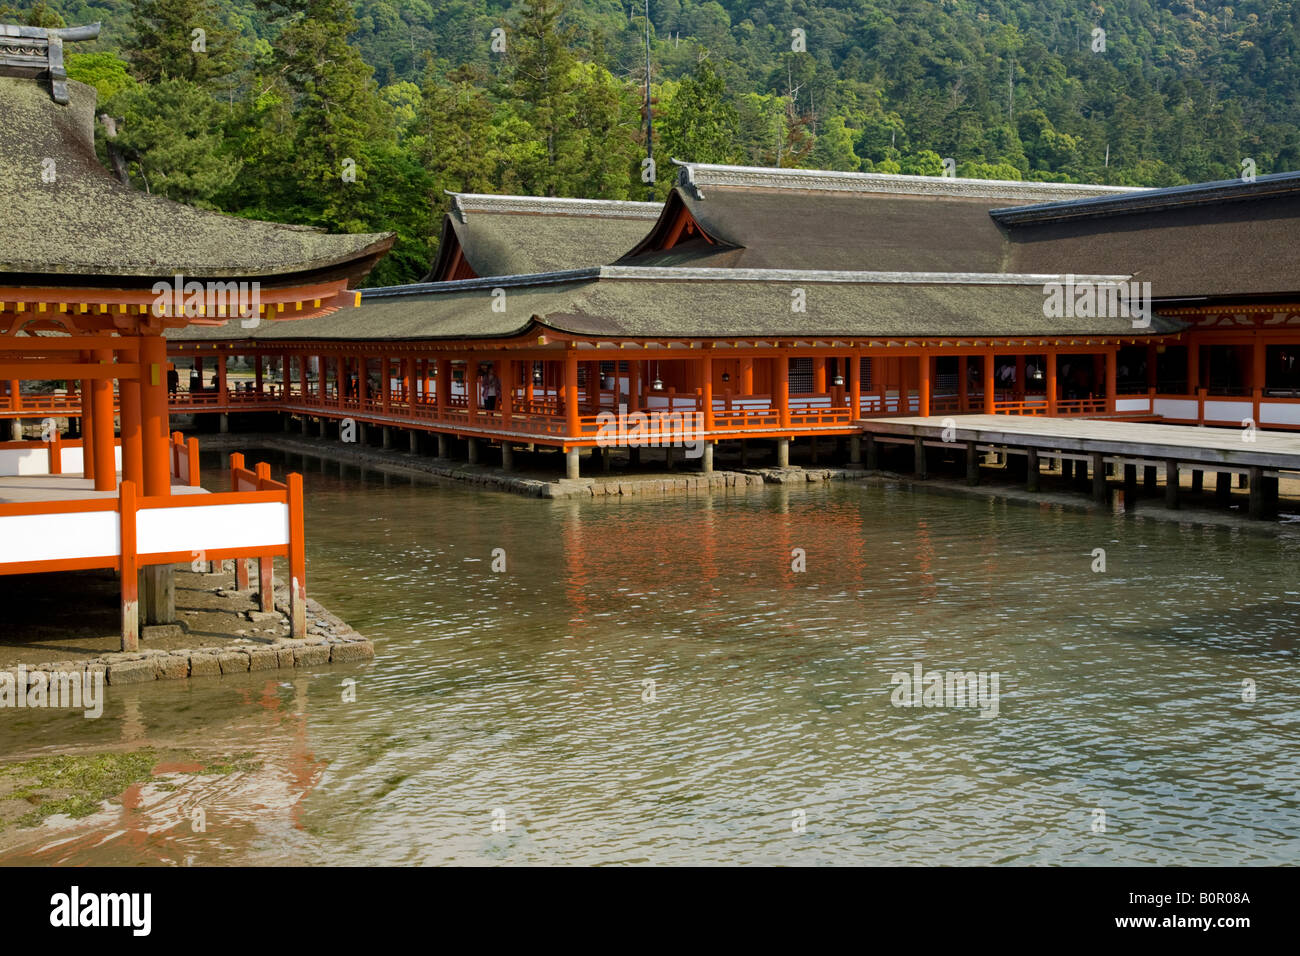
1270, 186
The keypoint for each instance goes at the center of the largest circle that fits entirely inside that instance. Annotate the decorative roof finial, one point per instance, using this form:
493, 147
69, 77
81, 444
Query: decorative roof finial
38, 51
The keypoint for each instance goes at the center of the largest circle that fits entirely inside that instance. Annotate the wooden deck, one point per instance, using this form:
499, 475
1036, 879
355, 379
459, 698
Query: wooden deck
1188, 444
25, 489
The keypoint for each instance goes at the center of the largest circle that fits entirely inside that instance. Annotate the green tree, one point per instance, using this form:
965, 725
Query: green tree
700, 124
171, 136
184, 39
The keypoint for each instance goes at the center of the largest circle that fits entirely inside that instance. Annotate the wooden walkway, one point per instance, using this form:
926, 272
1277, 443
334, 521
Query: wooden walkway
1115, 446
1182, 443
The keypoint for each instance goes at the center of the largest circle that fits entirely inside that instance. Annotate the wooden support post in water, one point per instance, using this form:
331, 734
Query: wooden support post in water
873, 453
1031, 478
507, 456
972, 463
1081, 474
706, 459
1223, 487
1198, 480
1149, 478
1098, 477
130, 574
1171, 483
855, 449
918, 447
1067, 468
783, 452
1256, 492
1130, 484
297, 561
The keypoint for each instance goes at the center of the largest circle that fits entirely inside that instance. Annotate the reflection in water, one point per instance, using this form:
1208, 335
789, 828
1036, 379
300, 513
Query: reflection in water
516, 698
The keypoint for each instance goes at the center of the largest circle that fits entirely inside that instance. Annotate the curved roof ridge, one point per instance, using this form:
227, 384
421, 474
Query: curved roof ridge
464, 203
694, 176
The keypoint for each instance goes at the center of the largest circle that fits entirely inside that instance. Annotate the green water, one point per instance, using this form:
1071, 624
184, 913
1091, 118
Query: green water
508, 718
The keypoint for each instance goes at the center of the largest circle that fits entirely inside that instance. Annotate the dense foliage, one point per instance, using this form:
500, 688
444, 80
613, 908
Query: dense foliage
359, 115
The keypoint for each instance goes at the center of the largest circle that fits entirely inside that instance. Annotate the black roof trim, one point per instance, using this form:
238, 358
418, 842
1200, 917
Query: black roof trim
1269, 186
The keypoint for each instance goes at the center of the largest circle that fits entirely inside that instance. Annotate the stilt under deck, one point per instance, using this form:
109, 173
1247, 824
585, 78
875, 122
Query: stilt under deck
1122, 447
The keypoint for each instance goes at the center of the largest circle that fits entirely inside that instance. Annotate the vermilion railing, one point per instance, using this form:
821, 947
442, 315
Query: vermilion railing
128, 531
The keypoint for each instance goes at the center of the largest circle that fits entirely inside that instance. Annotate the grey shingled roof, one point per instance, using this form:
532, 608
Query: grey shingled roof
1231, 248
515, 235
700, 303
85, 223
812, 219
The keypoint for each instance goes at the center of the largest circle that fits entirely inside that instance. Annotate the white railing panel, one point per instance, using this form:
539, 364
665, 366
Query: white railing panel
58, 537
212, 527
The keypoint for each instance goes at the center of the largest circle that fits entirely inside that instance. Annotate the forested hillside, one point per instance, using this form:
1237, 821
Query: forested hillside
358, 115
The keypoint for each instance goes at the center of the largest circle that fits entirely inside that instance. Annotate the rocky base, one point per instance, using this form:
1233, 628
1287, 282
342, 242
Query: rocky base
329, 640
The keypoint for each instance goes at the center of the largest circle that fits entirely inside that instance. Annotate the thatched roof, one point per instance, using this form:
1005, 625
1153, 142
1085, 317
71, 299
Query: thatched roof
811, 219
1227, 239
628, 302
86, 225
516, 235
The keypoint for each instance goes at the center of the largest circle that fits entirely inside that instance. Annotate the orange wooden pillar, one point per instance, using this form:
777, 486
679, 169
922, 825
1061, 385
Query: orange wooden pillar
341, 379
819, 375
1111, 354
990, 395
363, 380
443, 384
923, 384
101, 447
1193, 366
571, 391
129, 570
303, 387
963, 385
1020, 378
132, 433
706, 390
386, 382
155, 446
257, 374
222, 397
1051, 383
507, 400
297, 560
471, 388
781, 388
855, 387
87, 424
633, 385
